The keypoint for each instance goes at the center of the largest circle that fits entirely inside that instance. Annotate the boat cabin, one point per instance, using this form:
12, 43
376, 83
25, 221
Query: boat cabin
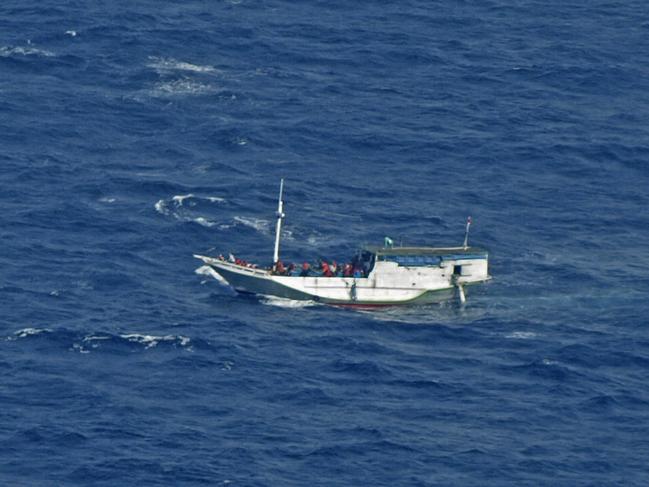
461, 259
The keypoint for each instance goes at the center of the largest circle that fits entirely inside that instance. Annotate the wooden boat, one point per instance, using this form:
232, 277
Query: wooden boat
383, 276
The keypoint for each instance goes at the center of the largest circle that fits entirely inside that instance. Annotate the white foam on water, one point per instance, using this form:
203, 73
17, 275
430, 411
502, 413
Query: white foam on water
26, 332
106, 199
203, 222
262, 226
78, 348
71, 33
258, 224
181, 87
8, 51
93, 338
206, 270
286, 303
150, 341
170, 64
180, 198
521, 335
175, 207
161, 207
313, 240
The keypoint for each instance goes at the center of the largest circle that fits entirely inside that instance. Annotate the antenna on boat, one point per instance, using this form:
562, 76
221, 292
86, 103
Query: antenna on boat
466, 233
280, 215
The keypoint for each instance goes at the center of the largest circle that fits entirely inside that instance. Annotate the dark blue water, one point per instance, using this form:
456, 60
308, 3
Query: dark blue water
134, 134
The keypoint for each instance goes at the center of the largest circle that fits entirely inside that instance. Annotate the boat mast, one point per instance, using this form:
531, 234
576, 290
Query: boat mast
280, 215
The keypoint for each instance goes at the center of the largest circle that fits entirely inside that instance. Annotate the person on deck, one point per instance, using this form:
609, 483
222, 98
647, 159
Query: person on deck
305, 269
326, 271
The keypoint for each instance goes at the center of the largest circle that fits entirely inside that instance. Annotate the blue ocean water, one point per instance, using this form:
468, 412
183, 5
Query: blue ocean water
134, 134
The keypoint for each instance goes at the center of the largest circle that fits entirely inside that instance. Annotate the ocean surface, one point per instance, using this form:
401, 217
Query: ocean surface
135, 134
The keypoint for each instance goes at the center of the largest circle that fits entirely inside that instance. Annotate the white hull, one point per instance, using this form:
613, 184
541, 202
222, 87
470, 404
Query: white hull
388, 283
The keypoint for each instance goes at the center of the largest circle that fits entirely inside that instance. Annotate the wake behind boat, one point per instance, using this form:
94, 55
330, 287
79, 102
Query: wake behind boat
376, 276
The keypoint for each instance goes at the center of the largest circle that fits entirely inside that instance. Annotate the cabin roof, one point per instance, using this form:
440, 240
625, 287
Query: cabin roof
424, 250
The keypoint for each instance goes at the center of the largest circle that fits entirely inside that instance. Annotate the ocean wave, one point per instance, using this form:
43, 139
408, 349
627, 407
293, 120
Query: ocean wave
97, 341
521, 335
177, 204
206, 270
13, 51
179, 199
548, 369
84, 343
161, 207
161, 64
286, 303
315, 240
27, 332
151, 341
204, 222
259, 224
181, 87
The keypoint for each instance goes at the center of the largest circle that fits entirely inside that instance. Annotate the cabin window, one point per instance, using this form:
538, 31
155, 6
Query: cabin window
457, 270
412, 260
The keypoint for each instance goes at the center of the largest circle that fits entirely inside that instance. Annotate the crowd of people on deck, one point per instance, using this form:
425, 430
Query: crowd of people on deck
356, 268
234, 260
322, 269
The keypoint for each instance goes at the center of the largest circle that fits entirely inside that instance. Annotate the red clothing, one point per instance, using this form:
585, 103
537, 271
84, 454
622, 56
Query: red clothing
326, 271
